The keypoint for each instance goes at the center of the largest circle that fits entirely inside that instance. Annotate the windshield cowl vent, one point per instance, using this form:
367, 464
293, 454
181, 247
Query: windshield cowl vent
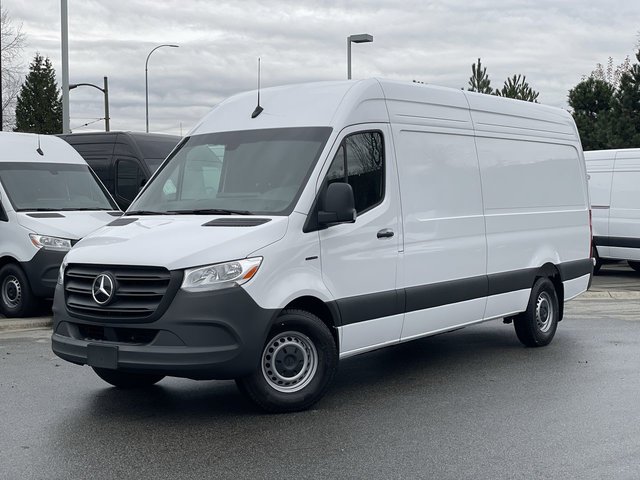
121, 222
45, 215
236, 222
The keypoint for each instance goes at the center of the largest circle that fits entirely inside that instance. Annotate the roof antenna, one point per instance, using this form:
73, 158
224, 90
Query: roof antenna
39, 150
258, 109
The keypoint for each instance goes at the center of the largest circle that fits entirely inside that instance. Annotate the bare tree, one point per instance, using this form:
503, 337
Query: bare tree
12, 43
611, 74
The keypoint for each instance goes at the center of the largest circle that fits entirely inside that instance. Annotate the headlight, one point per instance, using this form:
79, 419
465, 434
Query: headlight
63, 265
220, 275
50, 243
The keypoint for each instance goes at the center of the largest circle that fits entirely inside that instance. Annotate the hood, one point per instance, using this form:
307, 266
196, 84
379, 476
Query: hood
65, 224
177, 242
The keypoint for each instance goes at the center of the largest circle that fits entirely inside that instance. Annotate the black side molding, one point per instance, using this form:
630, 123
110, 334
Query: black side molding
622, 242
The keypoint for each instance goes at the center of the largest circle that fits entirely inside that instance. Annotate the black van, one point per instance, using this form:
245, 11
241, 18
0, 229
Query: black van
124, 161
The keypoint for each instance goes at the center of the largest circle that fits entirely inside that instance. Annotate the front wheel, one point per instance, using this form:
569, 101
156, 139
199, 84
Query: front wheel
121, 379
536, 326
297, 365
16, 297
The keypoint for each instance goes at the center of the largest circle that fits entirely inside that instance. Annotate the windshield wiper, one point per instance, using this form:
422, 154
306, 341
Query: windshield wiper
143, 212
211, 211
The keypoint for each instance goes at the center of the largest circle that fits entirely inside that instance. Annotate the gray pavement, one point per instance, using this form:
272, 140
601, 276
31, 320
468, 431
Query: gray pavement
472, 404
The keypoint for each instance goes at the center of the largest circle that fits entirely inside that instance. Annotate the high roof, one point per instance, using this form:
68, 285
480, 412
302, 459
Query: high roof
341, 103
23, 147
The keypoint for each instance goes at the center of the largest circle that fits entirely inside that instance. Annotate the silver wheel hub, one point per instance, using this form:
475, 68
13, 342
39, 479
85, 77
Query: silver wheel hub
544, 312
289, 362
11, 292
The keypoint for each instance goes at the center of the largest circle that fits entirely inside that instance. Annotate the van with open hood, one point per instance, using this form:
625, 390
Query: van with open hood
49, 200
329, 220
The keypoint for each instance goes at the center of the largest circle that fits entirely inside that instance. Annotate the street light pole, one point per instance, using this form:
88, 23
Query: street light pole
146, 81
107, 119
360, 38
104, 90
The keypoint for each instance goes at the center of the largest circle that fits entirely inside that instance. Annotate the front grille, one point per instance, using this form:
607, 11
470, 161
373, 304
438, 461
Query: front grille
139, 292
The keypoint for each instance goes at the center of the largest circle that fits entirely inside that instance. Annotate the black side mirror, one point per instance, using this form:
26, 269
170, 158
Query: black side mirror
339, 205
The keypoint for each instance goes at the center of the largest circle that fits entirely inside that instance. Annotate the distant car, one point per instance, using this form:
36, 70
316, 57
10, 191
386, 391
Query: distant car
124, 161
49, 199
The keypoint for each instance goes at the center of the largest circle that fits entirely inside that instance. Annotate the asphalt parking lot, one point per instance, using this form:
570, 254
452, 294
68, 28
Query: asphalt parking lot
472, 404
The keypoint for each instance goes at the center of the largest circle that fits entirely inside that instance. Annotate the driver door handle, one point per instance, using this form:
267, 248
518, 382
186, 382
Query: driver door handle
385, 233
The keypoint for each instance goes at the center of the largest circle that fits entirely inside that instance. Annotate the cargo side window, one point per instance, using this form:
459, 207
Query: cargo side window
360, 162
128, 179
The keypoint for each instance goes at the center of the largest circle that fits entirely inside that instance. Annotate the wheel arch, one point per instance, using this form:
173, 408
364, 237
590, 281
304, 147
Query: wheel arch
7, 259
327, 312
551, 271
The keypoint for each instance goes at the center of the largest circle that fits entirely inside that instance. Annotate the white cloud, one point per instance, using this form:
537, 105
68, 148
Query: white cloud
553, 43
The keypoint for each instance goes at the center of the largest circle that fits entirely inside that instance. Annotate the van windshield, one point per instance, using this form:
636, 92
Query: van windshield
248, 172
53, 187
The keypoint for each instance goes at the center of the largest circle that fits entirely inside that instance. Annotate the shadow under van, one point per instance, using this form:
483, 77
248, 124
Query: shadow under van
123, 161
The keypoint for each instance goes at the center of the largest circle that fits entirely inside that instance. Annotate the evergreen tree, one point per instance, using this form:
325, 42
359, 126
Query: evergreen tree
624, 127
479, 80
39, 105
591, 102
517, 87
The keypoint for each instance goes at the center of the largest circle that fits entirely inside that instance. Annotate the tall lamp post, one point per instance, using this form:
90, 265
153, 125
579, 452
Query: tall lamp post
104, 90
360, 38
146, 80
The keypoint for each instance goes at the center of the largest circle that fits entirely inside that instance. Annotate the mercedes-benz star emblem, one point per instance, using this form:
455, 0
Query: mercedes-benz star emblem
102, 289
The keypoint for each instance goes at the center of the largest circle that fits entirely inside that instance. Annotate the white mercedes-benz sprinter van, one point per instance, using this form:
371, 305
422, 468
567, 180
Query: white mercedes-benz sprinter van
333, 219
614, 184
49, 199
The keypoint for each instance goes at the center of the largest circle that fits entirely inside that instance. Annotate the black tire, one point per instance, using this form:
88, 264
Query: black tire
536, 326
634, 265
297, 365
16, 297
598, 261
121, 379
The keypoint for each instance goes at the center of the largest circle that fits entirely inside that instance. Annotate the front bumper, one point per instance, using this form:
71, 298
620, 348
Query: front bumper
206, 335
42, 271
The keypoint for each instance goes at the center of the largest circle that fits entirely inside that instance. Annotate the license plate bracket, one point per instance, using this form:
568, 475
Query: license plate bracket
102, 356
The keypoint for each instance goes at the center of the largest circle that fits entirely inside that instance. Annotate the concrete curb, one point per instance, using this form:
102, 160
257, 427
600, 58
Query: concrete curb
18, 324
610, 295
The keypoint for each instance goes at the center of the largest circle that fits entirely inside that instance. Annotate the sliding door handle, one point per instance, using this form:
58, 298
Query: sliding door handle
385, 233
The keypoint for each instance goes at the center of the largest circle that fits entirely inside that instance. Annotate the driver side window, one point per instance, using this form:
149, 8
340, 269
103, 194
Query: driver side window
360, 162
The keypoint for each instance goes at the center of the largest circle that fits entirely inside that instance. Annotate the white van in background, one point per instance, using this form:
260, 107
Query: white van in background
49, 199
614, 185
333, 219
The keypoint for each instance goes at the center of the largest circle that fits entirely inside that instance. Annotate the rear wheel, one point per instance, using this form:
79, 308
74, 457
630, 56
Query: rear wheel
16, 297
598, 261
121, 379
536, 326
634, 265
298, 363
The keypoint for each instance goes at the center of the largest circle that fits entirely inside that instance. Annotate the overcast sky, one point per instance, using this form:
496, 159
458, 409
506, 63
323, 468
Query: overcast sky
554, 43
